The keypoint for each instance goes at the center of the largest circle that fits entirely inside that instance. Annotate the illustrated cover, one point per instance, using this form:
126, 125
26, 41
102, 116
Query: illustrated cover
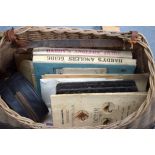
81, 110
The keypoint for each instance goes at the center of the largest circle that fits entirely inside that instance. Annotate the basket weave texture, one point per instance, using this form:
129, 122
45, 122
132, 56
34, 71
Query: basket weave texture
144, 117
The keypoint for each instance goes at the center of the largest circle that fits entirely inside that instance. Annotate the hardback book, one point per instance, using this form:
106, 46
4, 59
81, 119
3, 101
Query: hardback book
96, 90
81, 71
141, 80
90, 110
82, 52
49, 82
73, 59
49, 64
96, 87
48, 86
96, 84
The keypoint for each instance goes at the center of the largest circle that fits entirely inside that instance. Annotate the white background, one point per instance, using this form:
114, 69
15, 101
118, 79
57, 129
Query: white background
77, 13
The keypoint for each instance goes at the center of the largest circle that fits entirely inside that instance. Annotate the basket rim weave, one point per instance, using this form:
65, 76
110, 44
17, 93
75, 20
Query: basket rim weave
24, 32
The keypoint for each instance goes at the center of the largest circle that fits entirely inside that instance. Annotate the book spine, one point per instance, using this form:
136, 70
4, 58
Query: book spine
67, 59
87, 52
96, 90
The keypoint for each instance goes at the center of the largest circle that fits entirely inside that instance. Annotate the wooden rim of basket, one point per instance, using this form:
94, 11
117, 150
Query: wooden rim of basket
38, 33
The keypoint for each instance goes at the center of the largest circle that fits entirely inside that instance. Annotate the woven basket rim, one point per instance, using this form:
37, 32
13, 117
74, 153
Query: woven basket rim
125, 36
58, 30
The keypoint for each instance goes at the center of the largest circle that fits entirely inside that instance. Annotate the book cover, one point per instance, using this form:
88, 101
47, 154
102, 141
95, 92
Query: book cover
81, 110
87, 52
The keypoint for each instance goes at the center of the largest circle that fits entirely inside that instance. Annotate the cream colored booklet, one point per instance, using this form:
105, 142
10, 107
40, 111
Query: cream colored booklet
81, 110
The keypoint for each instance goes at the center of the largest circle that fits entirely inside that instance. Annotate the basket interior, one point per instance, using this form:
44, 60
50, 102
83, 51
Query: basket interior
138, 53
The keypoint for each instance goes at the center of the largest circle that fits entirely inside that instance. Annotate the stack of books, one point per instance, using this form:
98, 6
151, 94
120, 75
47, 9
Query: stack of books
88, 87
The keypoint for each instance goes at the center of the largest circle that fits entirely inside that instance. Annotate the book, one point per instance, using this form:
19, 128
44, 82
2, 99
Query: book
90, 110
96, 90
83, 52
141, 80
73, 59
96, 87
49, 83
49, 64
81, 71
95, 84
48, 86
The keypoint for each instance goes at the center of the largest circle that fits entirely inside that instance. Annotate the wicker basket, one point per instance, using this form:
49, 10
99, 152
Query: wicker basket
144, 117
